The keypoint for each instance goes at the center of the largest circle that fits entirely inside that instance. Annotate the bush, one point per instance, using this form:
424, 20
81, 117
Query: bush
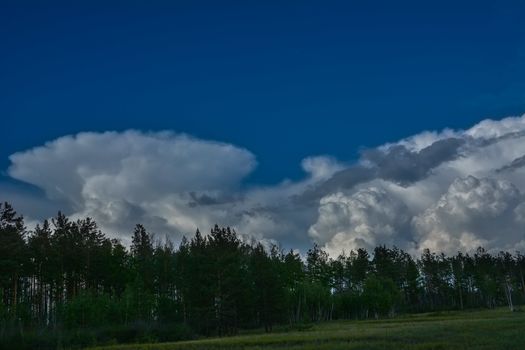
139, 332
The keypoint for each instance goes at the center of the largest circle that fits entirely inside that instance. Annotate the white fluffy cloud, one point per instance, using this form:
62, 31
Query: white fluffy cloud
364, 219
472, 213
469, 198
121, 163
124, 178
448, 190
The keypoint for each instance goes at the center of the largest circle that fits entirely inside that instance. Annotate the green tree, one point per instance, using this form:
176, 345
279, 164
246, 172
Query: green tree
380, 295
13, 257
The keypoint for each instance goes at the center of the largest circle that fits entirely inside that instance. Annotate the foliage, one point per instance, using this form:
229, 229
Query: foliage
69, 283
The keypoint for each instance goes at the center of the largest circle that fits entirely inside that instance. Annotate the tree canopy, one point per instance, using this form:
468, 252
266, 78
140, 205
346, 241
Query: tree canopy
68, 275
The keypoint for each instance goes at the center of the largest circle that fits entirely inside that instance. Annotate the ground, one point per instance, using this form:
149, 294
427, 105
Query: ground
494, 329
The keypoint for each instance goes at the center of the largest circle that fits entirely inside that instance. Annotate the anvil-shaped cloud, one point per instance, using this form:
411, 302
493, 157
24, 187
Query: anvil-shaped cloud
450, 190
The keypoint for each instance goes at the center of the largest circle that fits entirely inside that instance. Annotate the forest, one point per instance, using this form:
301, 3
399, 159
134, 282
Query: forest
67, 284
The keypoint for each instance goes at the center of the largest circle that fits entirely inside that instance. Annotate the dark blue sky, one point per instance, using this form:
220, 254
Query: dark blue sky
285, 79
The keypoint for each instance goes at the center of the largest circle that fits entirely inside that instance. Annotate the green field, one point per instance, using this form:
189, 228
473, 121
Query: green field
498, 329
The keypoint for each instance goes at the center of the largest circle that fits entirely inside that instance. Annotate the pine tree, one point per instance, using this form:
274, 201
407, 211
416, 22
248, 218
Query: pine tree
13, 256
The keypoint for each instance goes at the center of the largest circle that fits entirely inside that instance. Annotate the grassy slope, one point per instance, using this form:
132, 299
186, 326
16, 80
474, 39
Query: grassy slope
497, 329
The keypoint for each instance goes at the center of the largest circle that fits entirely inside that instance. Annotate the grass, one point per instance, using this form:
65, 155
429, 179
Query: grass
483, 330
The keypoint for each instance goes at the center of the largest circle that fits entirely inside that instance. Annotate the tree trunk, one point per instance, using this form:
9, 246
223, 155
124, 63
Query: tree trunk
15, 294
460, 298
522, 281
508, 294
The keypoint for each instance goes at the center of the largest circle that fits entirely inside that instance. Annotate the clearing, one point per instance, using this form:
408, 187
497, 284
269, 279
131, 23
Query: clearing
495, 329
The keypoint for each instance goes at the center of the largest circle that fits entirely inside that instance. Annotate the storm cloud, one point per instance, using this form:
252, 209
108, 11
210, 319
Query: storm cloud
447, 190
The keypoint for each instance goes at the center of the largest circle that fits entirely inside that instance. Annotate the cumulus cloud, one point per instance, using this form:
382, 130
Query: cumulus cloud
165, 161
125, 178
365, 219
471, 213
448, 190
460, 190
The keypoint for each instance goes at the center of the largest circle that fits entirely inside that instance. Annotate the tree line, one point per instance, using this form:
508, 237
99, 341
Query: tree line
68, 279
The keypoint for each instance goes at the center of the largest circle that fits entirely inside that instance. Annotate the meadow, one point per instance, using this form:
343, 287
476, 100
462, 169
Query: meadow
488, 329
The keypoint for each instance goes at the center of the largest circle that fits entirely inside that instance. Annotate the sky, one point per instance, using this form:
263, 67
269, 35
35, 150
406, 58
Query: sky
342, 123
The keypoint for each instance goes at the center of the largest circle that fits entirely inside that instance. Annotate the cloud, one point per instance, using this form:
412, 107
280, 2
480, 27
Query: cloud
124, 178
27, 200
448, 190
472, 212
365, 219
121, 163
515, 164
401, 163
403, 166
460, 189
321, 167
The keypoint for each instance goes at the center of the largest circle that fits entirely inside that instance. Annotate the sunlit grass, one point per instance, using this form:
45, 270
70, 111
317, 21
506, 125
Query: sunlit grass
497, 329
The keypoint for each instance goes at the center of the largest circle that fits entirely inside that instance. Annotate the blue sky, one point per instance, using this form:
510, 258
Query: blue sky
283, 79
277, 84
